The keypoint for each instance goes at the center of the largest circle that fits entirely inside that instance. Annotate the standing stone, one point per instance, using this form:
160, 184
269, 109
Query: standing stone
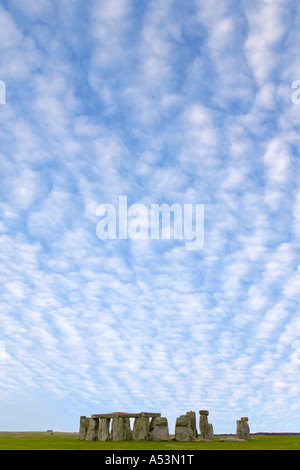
183, 429
120, 429
151, 428
92, 432
192, 416
117, 429
159, 429
84, 425
242, 429
141, 429
127, 433
103, 430
210, 431
204, 424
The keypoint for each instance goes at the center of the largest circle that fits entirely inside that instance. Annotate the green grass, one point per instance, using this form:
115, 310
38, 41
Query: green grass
70, 441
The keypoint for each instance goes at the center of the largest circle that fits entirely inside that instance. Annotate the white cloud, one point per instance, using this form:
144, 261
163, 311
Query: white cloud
108, 29
32, 8
25, 188
266, 29
19, 53
10, 35
296, 214
277, 161
54, 211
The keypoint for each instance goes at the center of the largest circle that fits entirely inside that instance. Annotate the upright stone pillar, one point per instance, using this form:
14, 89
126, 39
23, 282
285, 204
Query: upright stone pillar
92, 432
242, 428
84, 425
210, 431
204, 424
192, 417
127, 433
183, 429
117, 429
120, 429
159, 429
103, 430
141, 429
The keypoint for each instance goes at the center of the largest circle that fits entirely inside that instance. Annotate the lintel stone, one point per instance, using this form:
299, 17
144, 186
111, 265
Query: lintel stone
121, 414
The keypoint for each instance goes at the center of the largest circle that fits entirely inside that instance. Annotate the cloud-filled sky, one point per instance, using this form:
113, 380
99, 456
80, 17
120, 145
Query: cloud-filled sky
162, 102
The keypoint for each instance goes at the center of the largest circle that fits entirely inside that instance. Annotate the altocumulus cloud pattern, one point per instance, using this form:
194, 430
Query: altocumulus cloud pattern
161, 102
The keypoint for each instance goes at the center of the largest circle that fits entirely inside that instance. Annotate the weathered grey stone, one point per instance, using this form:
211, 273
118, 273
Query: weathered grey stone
103, 430
242, 429
117, 429
141, 429
192, 417
127, 433
183, 429
92, 432
121, 414
151, 427
210, 431
203, 424
150, 415
84, 425
97, 426
159, 429
120, 429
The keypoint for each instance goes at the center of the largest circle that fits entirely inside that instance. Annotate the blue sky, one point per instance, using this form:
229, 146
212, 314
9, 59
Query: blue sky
162, 102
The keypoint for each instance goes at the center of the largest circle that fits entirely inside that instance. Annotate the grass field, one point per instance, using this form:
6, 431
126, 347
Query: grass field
70, 441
